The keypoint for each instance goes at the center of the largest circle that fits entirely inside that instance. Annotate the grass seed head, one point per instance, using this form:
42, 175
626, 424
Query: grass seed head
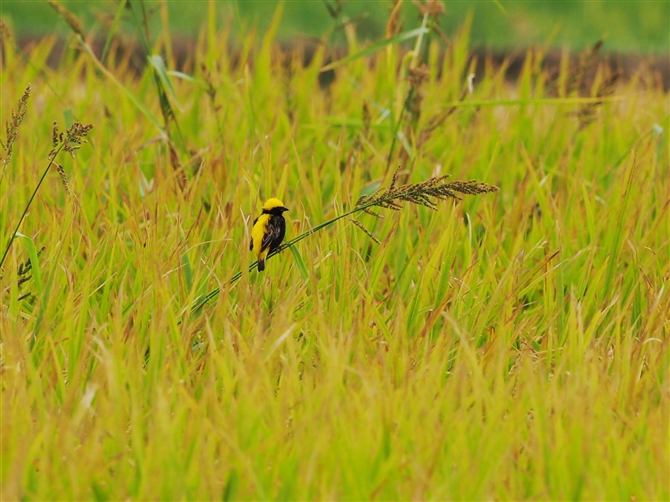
74, 137
434, 8
56, 136
70, 19
13, 125
367, 232
63, 178
419, 75
425, 193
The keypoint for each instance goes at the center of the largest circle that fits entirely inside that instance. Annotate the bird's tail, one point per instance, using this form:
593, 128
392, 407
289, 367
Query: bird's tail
261, 265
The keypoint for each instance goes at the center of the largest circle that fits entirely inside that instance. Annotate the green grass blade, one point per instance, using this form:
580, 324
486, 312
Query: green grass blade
300, 263
615, 243
68, 117
33, 255
158, 65
112, 29
186, 77
187, 270
371, 49
500, 6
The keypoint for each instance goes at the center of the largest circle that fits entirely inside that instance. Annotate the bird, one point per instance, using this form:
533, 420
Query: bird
268, 230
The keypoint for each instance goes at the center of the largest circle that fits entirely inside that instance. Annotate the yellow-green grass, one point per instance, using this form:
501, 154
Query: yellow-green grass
510, 346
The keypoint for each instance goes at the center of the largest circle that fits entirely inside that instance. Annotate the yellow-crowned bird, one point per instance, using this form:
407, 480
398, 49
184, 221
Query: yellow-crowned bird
268, 230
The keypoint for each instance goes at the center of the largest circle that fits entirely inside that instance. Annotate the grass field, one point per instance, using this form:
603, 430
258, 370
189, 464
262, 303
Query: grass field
510, 345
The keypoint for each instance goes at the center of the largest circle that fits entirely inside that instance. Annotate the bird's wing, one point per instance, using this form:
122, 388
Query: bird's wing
271, 234
251, 241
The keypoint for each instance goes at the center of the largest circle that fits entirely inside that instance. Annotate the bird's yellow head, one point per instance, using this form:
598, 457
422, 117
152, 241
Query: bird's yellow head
274, 206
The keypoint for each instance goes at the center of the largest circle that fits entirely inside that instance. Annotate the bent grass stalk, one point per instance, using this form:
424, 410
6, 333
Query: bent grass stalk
388, 198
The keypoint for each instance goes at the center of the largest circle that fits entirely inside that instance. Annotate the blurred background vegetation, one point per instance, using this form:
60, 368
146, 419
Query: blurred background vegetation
628, 26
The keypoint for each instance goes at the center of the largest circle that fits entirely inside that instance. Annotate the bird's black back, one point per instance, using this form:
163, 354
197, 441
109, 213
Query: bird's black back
274, 232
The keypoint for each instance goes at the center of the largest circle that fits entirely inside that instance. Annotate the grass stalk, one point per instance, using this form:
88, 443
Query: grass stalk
417, 193
52, 159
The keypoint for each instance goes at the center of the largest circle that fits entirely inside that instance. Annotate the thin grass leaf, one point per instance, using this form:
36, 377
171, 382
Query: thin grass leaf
500, 6
531, 101
187, 270
371, 49
370, 189
12, 129
615, 245
187, 78
300, 263
68, 117
140, 22
158, 65
112, 30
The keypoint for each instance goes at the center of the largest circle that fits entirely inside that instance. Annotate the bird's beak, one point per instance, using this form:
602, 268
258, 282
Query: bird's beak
284, 209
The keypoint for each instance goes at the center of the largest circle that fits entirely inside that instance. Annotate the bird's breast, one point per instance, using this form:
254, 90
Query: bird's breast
258, 231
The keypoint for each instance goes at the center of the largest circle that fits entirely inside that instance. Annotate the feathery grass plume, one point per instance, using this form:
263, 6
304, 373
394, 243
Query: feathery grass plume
586, 61
416, 77
422, 193
12, 128
5, 32
68, 141
425, 193
586, 113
